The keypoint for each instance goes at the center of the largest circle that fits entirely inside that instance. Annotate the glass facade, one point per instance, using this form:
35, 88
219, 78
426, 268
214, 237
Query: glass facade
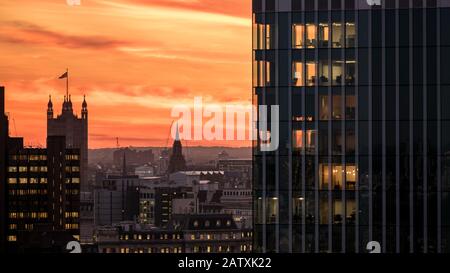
364, 129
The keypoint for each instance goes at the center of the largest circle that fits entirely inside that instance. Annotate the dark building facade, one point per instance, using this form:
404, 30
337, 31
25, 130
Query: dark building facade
74, 128
364, 129
3, 168
43, 195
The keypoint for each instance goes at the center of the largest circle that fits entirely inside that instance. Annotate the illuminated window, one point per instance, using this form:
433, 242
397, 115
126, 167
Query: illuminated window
43, 180
23, 181
12, 169
310, 140
311, 36
12, 180
33, 180
350, 34
34, 157
337, 35
350, 70
324, 34
297, 74
192, 237
262, 73
310, 73
336, 71
75, 180
12, 238
272, 210
208, 249
298, 36
12, 226
350, 177
75, 169
43, 168
23, 169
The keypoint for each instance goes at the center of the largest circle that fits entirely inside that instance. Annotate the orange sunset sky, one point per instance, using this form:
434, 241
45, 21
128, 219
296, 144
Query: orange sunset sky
134, 60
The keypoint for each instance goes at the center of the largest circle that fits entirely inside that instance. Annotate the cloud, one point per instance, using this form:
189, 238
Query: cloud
27, 33
239, 8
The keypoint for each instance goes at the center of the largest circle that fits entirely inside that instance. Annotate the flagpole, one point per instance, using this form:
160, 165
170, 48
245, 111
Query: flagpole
67, 83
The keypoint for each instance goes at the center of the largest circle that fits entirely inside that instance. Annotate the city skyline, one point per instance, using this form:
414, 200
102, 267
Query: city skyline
141, 56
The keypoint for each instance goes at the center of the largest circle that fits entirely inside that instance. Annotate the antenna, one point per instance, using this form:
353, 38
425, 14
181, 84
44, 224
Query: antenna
117, 143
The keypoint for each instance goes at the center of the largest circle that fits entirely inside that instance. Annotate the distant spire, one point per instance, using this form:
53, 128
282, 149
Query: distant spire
50, 103
177, 135
84, 102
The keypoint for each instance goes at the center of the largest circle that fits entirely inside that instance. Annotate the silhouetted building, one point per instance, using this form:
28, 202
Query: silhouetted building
3, 170
177, 162
43, 194
163, 202
75, 130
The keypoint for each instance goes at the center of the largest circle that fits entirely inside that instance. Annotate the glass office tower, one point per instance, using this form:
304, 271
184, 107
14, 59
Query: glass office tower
364, 151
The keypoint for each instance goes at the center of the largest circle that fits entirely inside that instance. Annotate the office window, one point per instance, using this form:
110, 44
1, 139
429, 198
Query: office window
272, 210
310, 140
324, 34
324, 109
12, 180
23, 169
311, 36
337, 107
350, 177
337, 72
324, 78
350, 34
298, 36
43, 180
297, 74
23, 180
337, 212
33, 180
12, 169
350, 68
12, 238
337, 35
310, 73
350, 107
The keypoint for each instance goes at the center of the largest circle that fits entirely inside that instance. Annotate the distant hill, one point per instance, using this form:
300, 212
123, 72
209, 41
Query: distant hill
194, 155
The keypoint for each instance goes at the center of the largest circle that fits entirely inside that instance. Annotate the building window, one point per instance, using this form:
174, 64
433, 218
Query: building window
272, 210
324, 34
324, 109
195, 223
298, 36
350, 34
337, 35
12, 238
337, 72
43, 180
310, 73
12, 169
23, 180
310, 140
311, 36
350, 107
297, 74
337, 107
23, 169
323, 73
12, 180
350, 69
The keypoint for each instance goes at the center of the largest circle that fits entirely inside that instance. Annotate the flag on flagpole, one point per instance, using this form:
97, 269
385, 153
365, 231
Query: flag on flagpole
63, 75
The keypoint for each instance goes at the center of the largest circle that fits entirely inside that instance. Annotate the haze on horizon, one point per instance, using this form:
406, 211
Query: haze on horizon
134, 59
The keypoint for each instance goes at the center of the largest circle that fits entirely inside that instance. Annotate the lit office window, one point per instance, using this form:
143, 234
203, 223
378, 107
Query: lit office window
310, 138
324, 78
23, 180
12, 180
337, 212
272, 210
311, 73
12, 169
12, 238
311, 35
337, 35
23, 169
43, 180
324, 34
297, 74
336, 72
350, 70
350, 177
298, 36
350, 34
